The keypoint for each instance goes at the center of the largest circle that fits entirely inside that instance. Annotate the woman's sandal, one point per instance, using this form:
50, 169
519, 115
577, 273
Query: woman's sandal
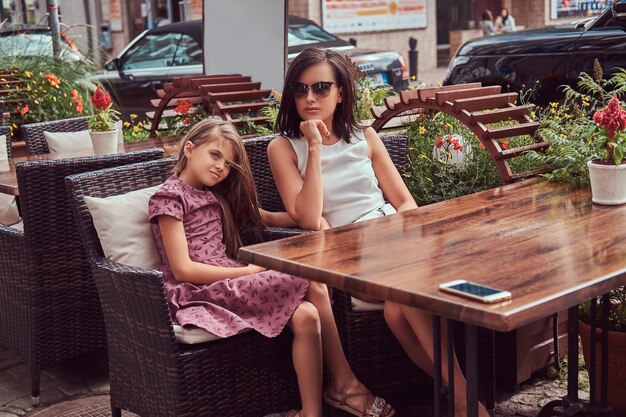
377, 409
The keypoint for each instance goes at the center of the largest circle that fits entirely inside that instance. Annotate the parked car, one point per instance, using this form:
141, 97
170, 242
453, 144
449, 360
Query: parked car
164, 52
544, 58
20, 39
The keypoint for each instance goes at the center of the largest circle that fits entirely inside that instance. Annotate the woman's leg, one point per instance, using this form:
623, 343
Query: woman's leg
341, 375
420, 324
307, 357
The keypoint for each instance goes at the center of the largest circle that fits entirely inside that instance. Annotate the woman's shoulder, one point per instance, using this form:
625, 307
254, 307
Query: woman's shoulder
284, 144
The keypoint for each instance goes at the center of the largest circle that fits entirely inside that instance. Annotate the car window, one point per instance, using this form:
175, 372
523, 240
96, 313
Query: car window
306, 34
188, 52
152, 51
30, 44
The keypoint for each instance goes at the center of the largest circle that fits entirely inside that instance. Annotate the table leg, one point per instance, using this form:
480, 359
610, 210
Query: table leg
450, 368
472, 370
570, 405
437, 363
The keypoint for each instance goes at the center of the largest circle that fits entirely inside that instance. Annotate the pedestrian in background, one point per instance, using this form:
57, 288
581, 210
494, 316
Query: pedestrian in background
505, 22
486, 24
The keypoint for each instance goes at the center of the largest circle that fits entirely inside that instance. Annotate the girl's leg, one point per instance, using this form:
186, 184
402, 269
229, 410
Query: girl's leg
420, 323
340, 373
307, 357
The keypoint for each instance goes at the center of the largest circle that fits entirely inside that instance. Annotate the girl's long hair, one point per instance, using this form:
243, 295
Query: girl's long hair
344, 123
236, 193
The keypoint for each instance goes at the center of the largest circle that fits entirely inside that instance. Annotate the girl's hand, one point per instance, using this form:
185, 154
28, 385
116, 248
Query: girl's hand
313, 131
254, 269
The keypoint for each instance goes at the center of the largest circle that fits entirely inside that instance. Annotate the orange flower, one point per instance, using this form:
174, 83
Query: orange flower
481, 145
183, 106
505, 144
79, 106
52, 79
24, 110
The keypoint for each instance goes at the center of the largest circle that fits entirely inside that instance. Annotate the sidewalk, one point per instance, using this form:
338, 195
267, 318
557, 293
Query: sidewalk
79, 388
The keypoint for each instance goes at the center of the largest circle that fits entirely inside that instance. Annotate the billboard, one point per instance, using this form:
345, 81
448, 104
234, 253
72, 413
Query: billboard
247, 37
354, 16
560, 9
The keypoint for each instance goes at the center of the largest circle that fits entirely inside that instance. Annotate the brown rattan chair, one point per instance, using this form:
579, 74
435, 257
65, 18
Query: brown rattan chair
49, 308
372, 351
32, 133
151, 374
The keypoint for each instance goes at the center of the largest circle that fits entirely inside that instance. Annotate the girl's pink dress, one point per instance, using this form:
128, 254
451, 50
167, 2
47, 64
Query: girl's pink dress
263, 302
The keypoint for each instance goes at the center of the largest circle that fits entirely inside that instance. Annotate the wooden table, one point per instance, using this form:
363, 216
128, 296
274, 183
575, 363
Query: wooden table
551, 248
8, 178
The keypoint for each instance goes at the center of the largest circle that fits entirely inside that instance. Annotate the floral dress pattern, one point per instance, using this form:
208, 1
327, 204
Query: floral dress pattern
264, 301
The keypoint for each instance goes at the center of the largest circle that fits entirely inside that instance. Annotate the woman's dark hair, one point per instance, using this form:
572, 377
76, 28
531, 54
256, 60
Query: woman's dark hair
505, 18
487, 15
344, 123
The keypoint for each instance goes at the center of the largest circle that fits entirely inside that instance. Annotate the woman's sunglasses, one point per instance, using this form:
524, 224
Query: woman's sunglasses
321, 89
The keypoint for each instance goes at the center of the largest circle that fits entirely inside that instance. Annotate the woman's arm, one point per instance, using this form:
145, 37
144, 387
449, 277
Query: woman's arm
186, 270
302, 198
389, 178
277, 219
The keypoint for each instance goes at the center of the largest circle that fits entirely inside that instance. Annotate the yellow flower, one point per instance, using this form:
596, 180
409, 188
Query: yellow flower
423, 156
126, 124
552, 111
554, 104
28, 74
422, 130
566, 116
532, 114
413, 77
557, 119
133, 116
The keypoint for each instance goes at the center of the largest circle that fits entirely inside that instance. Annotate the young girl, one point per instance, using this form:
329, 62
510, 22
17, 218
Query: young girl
197, 215
331, 171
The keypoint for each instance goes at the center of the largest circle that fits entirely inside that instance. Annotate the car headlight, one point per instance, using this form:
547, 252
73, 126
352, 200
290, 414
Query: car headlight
456, 61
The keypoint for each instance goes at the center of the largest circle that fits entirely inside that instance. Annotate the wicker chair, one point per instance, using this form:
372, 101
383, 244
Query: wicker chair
32, 133
49, 309
151, 374
372, 351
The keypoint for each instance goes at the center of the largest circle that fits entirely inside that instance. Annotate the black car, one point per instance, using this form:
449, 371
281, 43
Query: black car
164, 52
546, 58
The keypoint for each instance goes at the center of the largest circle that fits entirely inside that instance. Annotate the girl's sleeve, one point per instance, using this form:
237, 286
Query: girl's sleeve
167, 201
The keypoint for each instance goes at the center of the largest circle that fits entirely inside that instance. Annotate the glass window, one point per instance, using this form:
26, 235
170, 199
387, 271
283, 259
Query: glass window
152, 51
188, 52
307, 34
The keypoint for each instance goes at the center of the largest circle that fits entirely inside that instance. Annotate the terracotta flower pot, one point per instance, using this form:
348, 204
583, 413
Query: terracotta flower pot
617, 365
608, 183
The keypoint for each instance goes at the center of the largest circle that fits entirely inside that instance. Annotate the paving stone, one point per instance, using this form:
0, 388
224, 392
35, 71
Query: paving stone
74, 388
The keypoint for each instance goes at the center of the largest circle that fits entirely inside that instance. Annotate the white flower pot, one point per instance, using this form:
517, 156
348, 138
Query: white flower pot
608, 183
104, 142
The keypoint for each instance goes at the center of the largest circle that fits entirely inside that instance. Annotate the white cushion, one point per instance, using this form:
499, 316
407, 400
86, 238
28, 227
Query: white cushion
9, 214
360, 305
4, 154
124, 228
191, 335
68, 141
18, 226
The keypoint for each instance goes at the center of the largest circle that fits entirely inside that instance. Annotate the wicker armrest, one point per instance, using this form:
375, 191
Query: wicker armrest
117, 268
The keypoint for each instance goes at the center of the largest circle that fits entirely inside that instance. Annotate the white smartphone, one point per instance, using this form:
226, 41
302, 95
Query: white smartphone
475, 291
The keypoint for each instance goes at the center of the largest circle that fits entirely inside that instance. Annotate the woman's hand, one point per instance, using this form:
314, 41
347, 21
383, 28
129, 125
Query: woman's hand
313, 131
277, 219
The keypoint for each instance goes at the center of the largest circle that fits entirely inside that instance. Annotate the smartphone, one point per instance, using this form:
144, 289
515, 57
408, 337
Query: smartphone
475, 291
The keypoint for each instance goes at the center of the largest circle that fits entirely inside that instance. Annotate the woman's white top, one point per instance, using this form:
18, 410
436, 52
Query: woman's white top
508, 26
487, 27
350, 187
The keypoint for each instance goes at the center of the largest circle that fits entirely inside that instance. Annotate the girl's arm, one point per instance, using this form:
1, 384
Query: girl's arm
389, 178
277, 219
302, 198
186, 270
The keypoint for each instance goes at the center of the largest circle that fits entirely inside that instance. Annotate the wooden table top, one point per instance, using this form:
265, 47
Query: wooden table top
8, 178
552, 248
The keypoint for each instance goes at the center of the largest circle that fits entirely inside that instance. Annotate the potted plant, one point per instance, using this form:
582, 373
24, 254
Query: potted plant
607, 172
617, 347
102, 127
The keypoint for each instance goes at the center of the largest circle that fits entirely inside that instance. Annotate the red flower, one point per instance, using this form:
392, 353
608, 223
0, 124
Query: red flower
187, 121
505, 144
101, 100
183, 106
456, 145
24, 110
52, 79
612, 118
481, 145
79, 106
74, 94
439, 142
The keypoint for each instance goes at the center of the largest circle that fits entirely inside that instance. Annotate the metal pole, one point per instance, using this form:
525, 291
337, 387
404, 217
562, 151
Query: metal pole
55, 30
413, 57
150, 20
